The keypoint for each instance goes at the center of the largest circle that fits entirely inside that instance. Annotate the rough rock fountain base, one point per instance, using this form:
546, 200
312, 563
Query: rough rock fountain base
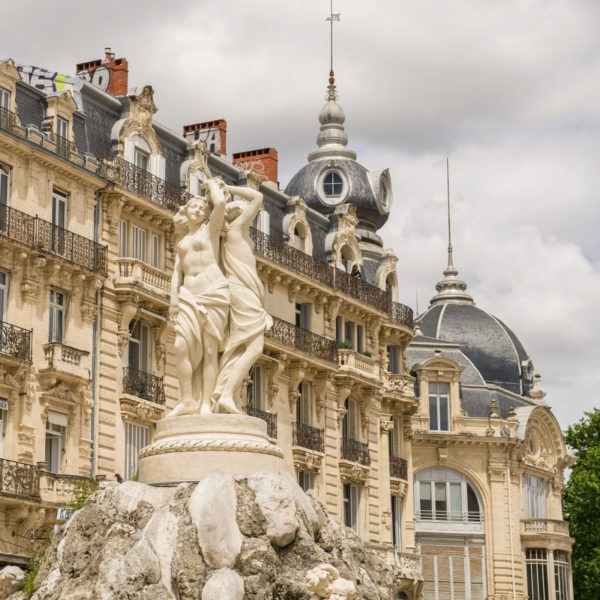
186, 448
255, 537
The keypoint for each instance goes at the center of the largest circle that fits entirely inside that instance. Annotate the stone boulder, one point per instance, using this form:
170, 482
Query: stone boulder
231, 538
12, 580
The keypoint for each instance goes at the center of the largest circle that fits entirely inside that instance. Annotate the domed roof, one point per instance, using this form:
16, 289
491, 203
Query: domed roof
332, 176
492, 347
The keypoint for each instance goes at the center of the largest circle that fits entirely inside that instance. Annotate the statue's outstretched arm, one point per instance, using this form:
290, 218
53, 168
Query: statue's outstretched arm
218, 212
255, 202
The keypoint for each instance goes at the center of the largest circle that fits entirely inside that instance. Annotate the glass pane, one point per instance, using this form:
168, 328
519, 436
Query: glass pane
472, 505
433, 416
443, 414
3, 188
455, 502
134, 354
441, 504
425, 491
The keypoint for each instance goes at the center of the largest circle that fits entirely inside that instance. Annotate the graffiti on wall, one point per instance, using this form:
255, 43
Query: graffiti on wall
50, 82
211, 136
100, 77
254, 164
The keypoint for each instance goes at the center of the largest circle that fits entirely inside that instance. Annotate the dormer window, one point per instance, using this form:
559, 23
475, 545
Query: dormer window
439, 406
62, 128
333, 184
4, 99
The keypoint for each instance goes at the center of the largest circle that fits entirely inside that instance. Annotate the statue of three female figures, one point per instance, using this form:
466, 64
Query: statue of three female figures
217, 299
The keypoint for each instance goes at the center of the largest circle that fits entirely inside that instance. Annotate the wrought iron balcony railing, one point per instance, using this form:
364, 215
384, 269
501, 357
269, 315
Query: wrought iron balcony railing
312, 344
279, 251
356, 451
269, 418
398, 468
19, 478
15, 341
44, 236
7, 119
143, 385
143, 183
64, 146
308, 437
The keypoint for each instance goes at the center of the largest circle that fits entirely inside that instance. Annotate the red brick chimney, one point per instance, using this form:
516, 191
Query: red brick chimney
213, 133
110, 74
263, 162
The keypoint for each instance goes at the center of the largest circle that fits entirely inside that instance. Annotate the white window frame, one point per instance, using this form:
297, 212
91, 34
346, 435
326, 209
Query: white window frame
141, 159
256, 391
59, 209
140, 338
137, 436
139, 238
396, 506
305, 480
4, 185
62, 128
155, 250
124, 238
535, 497
263, 222
439, 398
56, 316
351, 506
5, 97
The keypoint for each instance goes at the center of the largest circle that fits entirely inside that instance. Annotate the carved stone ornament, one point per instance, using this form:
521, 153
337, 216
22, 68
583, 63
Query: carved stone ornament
323, 385
351, 472
325, 582
442, 455
385, 424
306, 460
398, 487
139, 410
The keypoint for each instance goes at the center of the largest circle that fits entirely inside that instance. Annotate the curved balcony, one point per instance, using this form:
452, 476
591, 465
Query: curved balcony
398, 468
300, 339
143, 385
308, 437
355, 451
19, 479
544, 527
15, 342
143, 183
269, 418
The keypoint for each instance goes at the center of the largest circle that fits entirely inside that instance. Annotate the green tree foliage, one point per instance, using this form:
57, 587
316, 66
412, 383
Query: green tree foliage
83, 489
581, 505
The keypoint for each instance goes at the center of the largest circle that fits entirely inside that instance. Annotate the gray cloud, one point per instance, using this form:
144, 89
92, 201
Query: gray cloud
508, 89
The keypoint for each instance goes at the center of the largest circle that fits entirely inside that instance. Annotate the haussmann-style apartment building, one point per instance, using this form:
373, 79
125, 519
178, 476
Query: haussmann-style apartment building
431, 439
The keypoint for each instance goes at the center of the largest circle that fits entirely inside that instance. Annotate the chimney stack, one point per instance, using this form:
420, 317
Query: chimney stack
263, 162
212, 133
110, 74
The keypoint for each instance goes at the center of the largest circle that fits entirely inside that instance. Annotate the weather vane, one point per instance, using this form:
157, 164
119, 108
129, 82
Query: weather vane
331, 18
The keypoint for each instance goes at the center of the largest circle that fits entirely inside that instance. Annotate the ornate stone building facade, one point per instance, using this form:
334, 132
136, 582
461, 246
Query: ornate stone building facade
369, 414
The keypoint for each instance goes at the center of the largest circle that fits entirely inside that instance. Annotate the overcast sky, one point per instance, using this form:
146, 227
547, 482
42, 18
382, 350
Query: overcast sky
508, 89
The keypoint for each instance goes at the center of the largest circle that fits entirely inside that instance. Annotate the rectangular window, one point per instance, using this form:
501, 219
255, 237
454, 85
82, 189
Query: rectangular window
359, 338
349, 329
351, 501
4, 184
303, 315
255, 388
139, 243
426, 507
62, 128
393, 359
397, 523
305, 480
4, 99
124, 239
303, 404
562, 575
534, 497
155, 251
56, 320
139, 347
3, 294
338, 330
56, 427
136, 437
438, 406
536, 563
59, 220
141, 159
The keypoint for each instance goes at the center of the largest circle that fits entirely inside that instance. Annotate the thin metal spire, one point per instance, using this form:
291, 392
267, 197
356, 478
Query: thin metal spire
450, 265
331, 18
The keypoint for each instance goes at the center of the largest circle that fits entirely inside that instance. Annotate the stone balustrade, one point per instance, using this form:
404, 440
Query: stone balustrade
544, 526
349, 359
134, 271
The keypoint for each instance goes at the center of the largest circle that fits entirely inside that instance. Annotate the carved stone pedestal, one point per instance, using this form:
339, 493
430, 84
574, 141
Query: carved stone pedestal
186, 448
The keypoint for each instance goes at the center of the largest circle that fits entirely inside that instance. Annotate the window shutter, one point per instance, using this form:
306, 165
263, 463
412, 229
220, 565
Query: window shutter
352, 420
157, 165
123, 246
129, 150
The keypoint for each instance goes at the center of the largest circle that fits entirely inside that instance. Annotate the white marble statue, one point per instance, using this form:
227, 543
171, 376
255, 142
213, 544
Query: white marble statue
217, 299
248, 319
199, 298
